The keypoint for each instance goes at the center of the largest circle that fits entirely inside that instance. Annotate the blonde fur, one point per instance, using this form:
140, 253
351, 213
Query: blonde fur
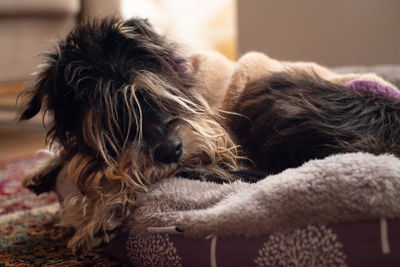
107, 194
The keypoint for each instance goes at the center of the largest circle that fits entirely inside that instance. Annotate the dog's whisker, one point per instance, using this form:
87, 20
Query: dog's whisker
138, 119
128, 103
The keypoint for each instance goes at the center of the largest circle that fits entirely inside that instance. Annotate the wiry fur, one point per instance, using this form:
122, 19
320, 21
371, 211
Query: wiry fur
293, 116
116, 91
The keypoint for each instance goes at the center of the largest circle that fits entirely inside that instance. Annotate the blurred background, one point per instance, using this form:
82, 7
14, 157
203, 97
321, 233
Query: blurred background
330, 32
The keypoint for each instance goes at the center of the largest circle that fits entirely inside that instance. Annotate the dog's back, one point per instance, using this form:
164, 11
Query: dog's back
290, 118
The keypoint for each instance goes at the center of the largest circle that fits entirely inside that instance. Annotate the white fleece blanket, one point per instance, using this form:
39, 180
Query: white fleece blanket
340, 188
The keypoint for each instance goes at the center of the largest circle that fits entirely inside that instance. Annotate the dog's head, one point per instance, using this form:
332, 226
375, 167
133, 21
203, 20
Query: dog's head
125, 106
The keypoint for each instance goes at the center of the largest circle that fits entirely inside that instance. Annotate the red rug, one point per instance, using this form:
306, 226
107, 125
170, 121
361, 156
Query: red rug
27, 233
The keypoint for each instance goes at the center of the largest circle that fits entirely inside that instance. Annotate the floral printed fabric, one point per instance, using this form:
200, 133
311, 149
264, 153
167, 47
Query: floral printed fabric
345, 244
310, 246
152, 250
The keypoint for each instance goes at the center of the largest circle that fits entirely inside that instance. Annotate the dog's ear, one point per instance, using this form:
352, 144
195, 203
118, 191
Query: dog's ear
33, 106
34, 96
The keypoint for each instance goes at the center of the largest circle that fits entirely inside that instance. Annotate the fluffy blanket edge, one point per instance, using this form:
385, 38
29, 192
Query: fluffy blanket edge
340, 188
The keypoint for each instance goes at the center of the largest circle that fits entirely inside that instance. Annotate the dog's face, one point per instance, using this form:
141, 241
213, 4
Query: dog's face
124, 107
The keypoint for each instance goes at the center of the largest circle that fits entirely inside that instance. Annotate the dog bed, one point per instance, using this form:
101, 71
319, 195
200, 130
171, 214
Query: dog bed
339, 211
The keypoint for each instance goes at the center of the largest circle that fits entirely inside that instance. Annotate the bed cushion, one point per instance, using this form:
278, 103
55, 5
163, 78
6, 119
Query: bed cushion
373, 243
344, 208
345, 191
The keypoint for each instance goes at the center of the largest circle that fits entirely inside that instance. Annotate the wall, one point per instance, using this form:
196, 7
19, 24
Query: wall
331, 32
195, 24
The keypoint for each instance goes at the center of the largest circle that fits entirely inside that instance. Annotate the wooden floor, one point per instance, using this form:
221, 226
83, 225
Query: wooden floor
19, 142
17, 139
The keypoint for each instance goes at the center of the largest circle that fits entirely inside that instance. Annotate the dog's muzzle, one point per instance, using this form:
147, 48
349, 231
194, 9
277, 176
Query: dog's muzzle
169, 152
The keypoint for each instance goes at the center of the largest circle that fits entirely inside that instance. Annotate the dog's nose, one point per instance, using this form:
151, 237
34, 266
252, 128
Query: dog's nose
169, 152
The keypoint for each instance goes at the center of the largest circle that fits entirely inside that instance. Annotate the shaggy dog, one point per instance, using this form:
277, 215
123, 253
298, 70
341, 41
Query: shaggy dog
125, 112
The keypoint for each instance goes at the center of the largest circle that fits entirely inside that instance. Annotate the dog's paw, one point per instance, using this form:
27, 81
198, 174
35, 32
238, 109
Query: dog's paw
41, 181
29, 181
32, 182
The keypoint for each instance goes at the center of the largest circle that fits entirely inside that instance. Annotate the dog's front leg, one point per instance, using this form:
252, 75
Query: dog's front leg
43, 179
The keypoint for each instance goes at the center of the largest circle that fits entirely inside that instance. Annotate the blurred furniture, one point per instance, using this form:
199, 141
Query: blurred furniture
28, 26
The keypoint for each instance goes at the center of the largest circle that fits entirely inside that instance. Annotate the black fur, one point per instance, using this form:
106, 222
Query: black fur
89, 71
87, 76
290, 118
97, 60
248, 175
45, 182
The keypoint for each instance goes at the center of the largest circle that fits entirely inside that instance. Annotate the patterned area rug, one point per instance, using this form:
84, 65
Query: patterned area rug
28, 236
